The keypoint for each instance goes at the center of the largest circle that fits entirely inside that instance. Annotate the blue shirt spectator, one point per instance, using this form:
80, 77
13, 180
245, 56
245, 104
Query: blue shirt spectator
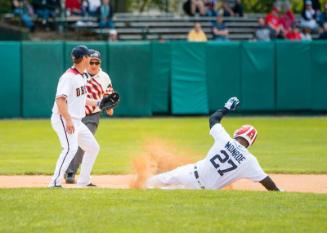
24, 10
219, 30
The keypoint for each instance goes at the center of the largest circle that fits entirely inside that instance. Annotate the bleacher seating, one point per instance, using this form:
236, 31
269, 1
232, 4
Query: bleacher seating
177, 28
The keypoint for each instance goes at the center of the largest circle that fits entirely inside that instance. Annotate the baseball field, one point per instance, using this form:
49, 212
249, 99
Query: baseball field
285, 145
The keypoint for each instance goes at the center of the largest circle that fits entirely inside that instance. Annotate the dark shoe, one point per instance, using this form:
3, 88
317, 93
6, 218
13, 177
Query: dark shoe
70, 178
57, 186
91, 185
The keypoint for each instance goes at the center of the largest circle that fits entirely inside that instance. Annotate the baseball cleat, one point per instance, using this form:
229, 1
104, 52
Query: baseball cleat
91, 185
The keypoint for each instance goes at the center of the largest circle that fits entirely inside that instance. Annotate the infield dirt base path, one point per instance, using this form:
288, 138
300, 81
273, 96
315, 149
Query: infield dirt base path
290, 183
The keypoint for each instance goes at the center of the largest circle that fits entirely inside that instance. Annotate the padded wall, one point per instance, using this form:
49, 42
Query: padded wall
42, 66
130, 71
188, 83
160, 77
223, 72
293, 75
10, 88
258, 76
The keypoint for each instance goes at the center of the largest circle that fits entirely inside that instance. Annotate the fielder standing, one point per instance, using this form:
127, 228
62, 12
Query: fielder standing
227, 160
67, 112
98, 85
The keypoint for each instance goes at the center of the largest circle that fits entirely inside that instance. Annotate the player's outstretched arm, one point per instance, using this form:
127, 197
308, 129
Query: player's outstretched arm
269, 184
230, 105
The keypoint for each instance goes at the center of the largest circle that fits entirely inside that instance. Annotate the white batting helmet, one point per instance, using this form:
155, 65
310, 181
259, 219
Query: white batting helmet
248, 132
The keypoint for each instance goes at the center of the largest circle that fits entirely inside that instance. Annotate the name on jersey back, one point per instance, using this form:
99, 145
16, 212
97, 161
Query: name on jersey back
237, 155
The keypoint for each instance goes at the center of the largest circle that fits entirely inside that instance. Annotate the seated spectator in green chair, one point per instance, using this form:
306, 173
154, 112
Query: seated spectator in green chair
24, 10
106, 14
219, 30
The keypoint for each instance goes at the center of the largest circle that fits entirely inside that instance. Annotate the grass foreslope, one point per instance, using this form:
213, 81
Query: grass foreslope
101, 210
284, 144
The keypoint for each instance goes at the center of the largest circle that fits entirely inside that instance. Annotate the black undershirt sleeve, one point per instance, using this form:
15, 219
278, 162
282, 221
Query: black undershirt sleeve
217, 116
269, 184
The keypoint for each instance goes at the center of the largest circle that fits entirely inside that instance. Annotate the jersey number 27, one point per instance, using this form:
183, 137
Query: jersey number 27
220, 159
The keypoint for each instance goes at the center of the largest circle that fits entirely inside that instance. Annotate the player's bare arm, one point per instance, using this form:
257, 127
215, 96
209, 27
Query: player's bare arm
269, 184
63, 111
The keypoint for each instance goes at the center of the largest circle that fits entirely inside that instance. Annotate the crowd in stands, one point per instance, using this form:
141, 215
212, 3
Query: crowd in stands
279, 23
212, 8
46, 9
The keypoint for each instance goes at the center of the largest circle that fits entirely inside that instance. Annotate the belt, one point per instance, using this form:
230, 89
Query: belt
196, 175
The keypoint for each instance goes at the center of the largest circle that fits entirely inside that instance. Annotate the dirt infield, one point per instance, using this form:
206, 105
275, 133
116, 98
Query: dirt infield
290, 183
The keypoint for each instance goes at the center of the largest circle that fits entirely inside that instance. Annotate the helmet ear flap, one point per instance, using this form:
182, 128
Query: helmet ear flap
247, 132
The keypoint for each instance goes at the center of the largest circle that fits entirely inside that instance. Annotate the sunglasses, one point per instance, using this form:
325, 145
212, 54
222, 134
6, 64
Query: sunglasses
94, 63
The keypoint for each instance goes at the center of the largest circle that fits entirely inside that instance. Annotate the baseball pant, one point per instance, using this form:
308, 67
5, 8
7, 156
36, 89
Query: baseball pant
91, 122
69, 142
179, 178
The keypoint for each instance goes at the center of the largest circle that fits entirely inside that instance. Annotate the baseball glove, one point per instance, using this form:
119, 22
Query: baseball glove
109, 101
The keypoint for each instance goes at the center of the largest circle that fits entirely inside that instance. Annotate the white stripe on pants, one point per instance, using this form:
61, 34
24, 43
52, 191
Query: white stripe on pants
69, 142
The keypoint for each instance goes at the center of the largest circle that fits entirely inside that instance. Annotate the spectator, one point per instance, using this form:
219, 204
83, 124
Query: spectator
106, 14
315, 5
220, 32
323, 17
25, 11
306, 34
93, 7
45, 9
273, 23
287, 18
293, 33
238, 8
263, 32
193, 7
73, 7
227, 10
309, 16
196, 34
113, 35
211, 8
323, 34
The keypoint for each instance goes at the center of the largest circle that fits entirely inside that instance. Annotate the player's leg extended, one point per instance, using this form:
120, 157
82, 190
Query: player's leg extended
69, 144
91, 122
88, 143
179, 178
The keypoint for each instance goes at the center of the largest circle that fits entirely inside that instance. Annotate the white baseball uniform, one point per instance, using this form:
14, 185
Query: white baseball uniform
226, 162
72, 85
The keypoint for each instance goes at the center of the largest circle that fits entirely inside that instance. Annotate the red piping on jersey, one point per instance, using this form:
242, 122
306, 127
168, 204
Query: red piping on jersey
74, 71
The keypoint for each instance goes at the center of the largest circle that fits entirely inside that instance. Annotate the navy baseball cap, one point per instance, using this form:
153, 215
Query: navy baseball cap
80, 51
95, 54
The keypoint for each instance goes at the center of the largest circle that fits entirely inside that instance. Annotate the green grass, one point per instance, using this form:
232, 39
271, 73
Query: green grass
105, 210
284, 144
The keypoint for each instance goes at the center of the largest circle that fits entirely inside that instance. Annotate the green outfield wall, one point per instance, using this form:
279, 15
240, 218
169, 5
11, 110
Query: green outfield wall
177, 78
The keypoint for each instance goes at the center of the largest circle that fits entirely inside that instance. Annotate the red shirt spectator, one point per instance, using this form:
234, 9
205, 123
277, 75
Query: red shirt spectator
287, 19
74, 6
293, 33
273, 21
